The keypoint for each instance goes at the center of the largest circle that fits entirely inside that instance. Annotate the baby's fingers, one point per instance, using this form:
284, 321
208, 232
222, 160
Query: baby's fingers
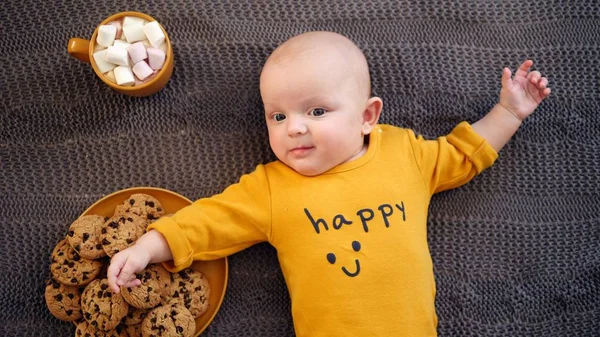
116, 264
534, 76
132, 282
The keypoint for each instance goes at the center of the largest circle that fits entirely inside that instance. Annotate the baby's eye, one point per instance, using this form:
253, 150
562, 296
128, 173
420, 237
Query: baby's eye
317, 112
279, 117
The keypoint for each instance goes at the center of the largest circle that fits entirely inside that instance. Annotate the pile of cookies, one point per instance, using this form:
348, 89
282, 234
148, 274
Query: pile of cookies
165, 304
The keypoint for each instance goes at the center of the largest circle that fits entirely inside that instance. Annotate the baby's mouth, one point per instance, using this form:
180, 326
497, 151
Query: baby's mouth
301, 150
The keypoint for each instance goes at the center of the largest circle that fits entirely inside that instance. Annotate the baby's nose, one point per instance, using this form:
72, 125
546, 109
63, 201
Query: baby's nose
296, 126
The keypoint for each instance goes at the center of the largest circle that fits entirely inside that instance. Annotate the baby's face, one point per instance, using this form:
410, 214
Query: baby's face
314, 113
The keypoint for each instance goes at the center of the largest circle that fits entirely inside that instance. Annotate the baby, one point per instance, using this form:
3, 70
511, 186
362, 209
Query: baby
345, 204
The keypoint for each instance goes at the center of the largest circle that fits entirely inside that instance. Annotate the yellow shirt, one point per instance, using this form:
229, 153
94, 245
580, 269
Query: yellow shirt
352, 242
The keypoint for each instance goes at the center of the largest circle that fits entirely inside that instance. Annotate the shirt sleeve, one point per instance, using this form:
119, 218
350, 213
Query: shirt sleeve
453, 160
215, 227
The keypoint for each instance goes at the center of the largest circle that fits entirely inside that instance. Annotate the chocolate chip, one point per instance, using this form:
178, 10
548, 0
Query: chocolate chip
98, 246
131, 202
86, 236
103, 230
130, 219
129, 241
71, 233
73, 280
77, 247
150, 217
159, 209
106, 218
179, 329
71, 296
104, 286
58, 297
69, 312
105, 242
150, 203
113, 225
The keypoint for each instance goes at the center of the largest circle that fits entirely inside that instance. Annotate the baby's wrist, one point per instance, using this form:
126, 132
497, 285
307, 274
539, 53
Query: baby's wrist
508, 111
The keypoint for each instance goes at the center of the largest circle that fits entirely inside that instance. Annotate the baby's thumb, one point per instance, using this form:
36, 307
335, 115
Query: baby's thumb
114, 271
506, 81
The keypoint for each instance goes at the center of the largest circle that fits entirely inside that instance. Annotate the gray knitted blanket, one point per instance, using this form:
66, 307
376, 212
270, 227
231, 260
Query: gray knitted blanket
516, 252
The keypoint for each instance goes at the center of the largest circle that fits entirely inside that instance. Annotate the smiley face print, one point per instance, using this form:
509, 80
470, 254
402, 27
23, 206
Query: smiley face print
356, 247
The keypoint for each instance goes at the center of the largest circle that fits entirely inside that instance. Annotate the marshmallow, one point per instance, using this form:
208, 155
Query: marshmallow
117, 56
111, 76
121, 44
137, 52
98, 47
163, 47
142, 70
154, 33
134, 33
156, 58
124, 76
117, 24
100, 59
133, 20
106, 35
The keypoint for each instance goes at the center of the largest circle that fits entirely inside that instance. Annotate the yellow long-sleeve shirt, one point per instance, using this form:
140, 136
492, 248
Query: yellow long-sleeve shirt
351, 242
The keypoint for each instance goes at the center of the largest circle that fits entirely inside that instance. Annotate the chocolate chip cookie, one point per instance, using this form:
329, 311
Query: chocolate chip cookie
101, 307
120, 232
143, 205
192, 289
84, 236
135, 316
85, 329
172, 319
70, 268
63, 300
155, 282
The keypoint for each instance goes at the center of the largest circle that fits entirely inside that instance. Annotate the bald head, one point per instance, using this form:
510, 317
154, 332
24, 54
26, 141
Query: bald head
325, 49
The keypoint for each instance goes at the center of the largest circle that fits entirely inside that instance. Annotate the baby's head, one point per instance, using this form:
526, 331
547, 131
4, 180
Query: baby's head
316, 92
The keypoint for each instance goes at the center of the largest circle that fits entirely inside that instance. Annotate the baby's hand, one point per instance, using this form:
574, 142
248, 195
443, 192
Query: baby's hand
124, 265
522, 94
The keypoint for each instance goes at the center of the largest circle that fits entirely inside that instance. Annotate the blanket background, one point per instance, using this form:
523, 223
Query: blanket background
516, 252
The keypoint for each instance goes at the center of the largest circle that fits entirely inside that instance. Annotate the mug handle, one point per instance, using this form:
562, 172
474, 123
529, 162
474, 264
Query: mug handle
79, 49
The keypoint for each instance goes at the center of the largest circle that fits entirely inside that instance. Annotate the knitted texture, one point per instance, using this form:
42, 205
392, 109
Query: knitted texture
516, 251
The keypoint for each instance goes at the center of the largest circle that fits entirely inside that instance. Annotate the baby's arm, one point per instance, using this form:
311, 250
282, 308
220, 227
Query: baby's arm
519, 97
152, 247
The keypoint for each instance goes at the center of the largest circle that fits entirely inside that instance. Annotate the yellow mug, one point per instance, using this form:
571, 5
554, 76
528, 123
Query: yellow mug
83, 50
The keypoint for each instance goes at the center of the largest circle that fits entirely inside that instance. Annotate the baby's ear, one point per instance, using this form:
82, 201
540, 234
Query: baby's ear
371, 114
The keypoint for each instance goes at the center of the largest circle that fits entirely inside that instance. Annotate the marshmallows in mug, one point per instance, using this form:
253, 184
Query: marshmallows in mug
128, 47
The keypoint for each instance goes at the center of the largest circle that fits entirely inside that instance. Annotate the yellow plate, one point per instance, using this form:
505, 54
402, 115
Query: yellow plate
216, 271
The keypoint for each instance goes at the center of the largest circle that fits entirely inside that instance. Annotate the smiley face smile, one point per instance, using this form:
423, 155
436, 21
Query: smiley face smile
356, 247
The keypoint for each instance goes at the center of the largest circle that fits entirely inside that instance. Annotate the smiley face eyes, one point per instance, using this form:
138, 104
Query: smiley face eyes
331, 256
